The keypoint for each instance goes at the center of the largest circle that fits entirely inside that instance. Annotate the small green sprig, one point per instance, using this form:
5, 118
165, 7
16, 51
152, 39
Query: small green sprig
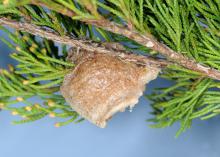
39, 73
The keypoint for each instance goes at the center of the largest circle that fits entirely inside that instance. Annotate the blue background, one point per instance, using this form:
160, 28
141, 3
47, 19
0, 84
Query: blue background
127, 135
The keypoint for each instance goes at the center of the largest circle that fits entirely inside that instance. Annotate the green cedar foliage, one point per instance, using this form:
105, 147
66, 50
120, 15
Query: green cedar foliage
190, 27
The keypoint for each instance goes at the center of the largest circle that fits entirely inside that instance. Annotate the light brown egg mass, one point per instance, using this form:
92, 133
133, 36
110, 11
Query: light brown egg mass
102, 85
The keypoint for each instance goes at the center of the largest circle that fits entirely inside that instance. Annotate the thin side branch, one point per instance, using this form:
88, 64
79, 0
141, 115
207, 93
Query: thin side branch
148, 41
84, 44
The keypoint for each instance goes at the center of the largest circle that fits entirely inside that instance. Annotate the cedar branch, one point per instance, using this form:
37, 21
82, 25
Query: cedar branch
148, 41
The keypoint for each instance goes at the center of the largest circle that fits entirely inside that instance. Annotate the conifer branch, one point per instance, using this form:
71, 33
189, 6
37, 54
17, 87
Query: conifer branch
146, 40
82, 43
110, 26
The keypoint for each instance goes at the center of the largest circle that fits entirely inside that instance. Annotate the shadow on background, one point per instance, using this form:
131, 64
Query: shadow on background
127, 135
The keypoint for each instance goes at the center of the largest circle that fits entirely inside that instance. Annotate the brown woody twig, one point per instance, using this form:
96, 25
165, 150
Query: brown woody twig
148, 41
84, 44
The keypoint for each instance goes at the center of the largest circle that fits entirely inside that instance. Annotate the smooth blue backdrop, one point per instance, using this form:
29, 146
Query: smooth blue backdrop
127, 135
